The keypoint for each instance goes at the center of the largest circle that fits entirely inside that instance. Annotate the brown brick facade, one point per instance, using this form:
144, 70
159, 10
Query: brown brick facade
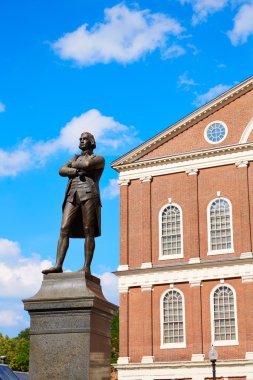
146, 277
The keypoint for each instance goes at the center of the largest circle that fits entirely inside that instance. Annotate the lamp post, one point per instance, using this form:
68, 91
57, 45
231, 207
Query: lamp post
213, 356
3, 358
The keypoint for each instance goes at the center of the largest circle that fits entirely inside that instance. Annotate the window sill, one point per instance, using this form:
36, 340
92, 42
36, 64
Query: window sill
220, 252
171, 257
220, 343
167, 346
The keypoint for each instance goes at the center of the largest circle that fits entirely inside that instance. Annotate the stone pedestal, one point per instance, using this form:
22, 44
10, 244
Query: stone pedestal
70, 329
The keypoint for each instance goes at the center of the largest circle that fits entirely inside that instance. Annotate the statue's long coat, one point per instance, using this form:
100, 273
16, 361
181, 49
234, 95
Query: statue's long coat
77, 230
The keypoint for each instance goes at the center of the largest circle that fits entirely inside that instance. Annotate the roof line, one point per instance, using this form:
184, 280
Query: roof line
188, 119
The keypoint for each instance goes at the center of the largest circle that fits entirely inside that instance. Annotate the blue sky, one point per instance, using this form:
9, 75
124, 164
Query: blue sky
121, 70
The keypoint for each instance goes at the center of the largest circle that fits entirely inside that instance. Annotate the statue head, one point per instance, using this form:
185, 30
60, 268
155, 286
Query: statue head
87, 141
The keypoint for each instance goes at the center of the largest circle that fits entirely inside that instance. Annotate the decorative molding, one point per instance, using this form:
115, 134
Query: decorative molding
123, 267
124, 182
146, 288
242, 164
146, 265
123, 360
202, 272
194, 284
194, 260
198, 357
192, 171
185, 123
246, 255
147, 359
184, 369
124, 290
147, 178
247, 131
247, 278
179, 163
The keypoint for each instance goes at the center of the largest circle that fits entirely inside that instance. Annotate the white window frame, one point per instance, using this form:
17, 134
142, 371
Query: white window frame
178, 255
213, 122
219, 251
171, 345
234, 342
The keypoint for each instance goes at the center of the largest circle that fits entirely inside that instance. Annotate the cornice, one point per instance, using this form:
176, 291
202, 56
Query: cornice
187, 273
185, 123
185, 156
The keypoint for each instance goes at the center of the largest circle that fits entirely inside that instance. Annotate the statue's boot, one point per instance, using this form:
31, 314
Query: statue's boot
61, 253
55, 269
85, 269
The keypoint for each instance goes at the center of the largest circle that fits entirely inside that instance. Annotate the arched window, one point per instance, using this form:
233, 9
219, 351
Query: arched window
220, 226
172, 319
171, 235
224, 316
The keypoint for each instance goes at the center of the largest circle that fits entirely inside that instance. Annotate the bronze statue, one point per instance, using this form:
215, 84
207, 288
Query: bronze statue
82, 204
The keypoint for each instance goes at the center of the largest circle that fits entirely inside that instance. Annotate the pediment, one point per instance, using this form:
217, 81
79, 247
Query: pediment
234, 108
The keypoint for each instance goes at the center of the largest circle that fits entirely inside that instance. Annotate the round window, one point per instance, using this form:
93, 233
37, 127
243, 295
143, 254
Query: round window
216, 132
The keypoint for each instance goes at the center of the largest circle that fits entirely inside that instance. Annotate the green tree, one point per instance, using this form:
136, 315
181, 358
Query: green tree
115, 338
16, 350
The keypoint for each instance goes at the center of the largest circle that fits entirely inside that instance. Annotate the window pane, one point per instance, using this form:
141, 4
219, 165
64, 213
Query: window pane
220, 226
173, 327
171, 231
224, 314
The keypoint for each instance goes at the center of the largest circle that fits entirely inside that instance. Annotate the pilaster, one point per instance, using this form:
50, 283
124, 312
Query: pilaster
124, 205
193, 251
196, 315
243, 201
146, 222
147, 324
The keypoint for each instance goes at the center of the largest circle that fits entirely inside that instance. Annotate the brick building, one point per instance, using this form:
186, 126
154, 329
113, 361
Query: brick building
186, 263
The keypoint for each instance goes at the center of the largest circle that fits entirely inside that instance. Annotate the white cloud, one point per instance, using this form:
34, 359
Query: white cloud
109, 283
243, 25
203, 8
2, 107
19, 276
10, 318
210, 94
112, 190
124, 36
110, 136
173, 51
186, 82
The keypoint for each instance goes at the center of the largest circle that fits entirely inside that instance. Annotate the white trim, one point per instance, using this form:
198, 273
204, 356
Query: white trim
146, 265
123, 360
246, 255
179, 255
187, 273
123, 267
124, 182
171, 345
242, 164
198, 357
249, 355
223, 342
214, 122
220, 251
247, 131
185, 369
183, 163
185, 123
147, 359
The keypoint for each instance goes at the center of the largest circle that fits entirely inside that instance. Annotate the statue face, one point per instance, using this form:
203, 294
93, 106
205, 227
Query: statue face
85, 142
